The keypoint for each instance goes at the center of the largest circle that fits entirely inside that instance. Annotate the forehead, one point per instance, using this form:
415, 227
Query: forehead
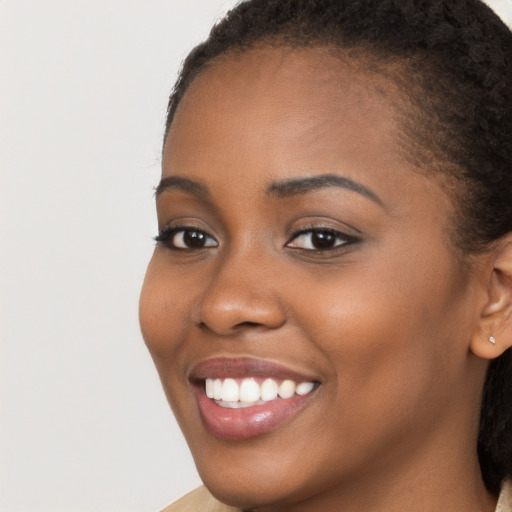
277, 73
285, 103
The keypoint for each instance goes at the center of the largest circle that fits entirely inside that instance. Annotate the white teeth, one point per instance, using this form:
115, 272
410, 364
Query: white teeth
237, 405
230, 390
247, 392
269, 390
209, 388
217, 389
304, 388
286, 389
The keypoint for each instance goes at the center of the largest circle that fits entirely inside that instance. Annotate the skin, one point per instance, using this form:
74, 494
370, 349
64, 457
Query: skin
385, 321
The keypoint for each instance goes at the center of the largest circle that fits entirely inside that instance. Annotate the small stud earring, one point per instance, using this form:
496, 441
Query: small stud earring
492, 340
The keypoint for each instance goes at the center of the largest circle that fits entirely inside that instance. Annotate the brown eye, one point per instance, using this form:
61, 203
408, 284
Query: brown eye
186, 238
319, 240
190, 240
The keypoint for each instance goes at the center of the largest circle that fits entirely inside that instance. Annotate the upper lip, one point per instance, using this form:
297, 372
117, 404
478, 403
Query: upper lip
222, 367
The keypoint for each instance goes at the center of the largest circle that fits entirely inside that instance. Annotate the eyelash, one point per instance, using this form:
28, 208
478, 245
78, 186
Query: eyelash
167, 236
345, 239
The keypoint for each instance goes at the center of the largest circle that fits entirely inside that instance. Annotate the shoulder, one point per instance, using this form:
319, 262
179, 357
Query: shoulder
505, 500
199, 500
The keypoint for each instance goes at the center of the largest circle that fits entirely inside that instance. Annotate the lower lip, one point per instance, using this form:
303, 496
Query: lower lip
247, 422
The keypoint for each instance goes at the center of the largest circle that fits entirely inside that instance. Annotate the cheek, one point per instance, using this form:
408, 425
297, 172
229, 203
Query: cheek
389, 336
162, 311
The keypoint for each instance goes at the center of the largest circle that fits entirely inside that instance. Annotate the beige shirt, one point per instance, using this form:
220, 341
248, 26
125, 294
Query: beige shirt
201, 500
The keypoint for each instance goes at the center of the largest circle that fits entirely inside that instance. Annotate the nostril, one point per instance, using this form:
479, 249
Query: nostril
237, 327
246, 324
203, 325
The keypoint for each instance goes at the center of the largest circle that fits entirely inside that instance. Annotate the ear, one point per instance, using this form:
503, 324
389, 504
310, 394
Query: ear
495, 333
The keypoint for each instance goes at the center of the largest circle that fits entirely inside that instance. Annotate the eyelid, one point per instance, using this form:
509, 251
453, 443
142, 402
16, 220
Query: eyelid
348, 239
166, 235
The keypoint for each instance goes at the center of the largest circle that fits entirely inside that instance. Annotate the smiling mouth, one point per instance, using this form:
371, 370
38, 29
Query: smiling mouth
244, 398
251, 392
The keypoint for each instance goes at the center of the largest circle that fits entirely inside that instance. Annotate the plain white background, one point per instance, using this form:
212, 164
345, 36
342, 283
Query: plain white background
84, 425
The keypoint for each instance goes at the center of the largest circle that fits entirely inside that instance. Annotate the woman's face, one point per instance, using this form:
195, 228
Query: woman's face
297, 244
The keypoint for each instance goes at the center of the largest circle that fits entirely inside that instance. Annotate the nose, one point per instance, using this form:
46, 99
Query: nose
241, 294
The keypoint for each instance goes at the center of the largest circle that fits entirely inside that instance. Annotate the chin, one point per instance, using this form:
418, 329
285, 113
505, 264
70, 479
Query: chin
250, 492
259, 475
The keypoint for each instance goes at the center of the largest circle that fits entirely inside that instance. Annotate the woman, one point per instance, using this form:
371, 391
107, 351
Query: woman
329, 302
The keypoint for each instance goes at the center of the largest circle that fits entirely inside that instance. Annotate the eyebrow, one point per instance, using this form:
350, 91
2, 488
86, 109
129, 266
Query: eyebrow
183, 184
300, 186
280, 189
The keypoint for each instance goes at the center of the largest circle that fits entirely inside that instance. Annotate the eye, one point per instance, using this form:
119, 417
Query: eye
319, 239
185, 238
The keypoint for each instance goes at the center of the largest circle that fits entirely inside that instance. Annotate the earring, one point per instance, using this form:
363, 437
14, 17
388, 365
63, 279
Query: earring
492, 340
